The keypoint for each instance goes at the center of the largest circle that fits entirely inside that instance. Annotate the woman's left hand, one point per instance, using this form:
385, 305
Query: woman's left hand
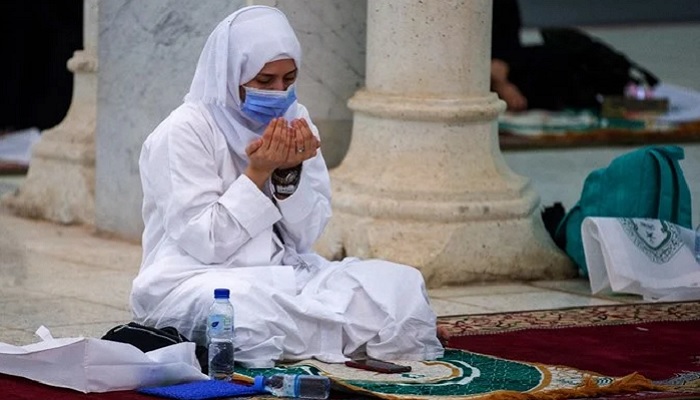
305, 144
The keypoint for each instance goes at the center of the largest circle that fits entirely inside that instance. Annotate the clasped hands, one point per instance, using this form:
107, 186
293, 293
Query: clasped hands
283, 145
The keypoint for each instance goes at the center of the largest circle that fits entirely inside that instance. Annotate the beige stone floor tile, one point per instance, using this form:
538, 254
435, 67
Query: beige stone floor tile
21, 337
577, 286
582, 286
17, 337
9, 291
74, 244
444, 308
29, 314
20, 237
95, 252
44, 274
481, 289
531, 301
95, 330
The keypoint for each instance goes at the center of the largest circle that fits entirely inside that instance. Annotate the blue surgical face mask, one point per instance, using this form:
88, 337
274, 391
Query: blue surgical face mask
264, 105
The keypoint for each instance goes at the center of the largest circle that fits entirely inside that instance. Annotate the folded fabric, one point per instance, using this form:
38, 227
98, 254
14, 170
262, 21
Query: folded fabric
202, 390
95, 365
648, 257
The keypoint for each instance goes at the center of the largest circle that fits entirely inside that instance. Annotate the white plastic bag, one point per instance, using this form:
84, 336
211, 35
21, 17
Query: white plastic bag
96, 365
647, 257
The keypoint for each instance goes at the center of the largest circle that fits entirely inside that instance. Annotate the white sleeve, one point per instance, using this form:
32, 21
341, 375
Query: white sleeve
207, 220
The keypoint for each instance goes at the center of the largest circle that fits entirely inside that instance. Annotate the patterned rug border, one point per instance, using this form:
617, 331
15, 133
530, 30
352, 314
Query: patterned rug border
572, 317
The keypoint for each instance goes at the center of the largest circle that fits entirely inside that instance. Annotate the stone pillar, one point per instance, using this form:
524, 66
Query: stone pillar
424, 182
61, 179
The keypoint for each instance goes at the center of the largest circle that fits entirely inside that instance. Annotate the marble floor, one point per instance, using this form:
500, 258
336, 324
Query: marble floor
76, 283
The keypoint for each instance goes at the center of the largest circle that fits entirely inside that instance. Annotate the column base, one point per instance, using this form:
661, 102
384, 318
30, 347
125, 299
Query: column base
475, 248
424, 184
60, 183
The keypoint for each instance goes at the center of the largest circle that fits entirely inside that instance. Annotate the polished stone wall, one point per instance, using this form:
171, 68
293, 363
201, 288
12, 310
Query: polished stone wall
148, 51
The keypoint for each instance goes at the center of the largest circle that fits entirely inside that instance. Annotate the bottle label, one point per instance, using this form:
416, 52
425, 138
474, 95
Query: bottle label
219, 324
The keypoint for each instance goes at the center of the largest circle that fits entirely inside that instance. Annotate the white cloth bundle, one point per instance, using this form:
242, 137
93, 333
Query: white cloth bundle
647, 257
96, 365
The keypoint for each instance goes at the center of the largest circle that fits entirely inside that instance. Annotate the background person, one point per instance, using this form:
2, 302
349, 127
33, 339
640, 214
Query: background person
525, 76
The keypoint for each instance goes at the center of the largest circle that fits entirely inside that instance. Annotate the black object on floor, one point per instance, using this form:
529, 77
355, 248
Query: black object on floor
552, 216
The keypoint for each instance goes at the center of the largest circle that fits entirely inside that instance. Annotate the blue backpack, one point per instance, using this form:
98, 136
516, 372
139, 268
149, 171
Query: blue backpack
644, 183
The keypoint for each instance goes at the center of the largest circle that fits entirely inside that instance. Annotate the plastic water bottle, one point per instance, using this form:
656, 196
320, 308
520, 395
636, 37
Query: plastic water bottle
299, 386
220, 336
697, 244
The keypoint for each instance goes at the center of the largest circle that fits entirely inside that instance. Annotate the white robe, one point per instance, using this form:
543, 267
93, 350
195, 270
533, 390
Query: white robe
208, 226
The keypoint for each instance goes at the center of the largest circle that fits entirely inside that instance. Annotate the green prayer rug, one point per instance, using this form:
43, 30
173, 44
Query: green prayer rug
465, 375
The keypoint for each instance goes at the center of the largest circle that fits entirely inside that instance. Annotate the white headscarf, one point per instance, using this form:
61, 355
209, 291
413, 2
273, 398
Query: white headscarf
235, 52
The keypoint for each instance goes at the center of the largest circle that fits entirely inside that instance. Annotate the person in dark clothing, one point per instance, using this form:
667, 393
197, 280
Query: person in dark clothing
505, 47
36, 85
525, 77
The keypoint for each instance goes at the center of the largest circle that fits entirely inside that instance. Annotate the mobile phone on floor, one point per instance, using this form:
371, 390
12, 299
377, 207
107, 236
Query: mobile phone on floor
384, 367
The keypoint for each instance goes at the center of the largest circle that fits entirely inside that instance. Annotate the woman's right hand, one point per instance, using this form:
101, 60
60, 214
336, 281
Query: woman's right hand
304, 144
268, 152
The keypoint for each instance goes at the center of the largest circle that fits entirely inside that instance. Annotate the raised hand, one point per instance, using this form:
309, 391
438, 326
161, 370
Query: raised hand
304, 144
269, 152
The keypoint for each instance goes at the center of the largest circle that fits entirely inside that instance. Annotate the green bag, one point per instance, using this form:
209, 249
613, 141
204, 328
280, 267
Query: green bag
644, 183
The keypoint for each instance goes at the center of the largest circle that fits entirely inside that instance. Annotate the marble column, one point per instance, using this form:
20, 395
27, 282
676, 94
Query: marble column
60, 183
424, 182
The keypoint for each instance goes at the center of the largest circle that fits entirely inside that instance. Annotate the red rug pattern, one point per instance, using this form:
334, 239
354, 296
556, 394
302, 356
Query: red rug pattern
661, 341
619, 314
16, 388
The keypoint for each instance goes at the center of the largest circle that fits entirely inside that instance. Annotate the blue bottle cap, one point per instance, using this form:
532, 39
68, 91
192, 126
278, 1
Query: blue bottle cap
221, 293
259, 383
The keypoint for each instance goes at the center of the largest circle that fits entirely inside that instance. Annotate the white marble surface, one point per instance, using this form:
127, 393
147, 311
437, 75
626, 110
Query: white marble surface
148, 51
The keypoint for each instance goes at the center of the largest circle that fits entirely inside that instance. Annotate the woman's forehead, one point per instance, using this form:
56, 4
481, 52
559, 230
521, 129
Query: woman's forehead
278, 67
